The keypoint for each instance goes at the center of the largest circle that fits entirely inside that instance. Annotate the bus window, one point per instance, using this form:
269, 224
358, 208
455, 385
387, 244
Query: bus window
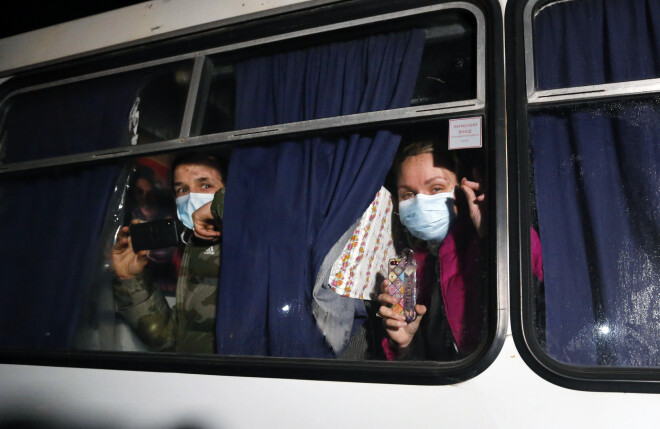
596, 187
315, 155
589, 163
155, 96
447, 72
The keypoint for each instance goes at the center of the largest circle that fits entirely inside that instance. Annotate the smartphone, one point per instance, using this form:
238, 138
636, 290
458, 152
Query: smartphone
402, 274
156, 234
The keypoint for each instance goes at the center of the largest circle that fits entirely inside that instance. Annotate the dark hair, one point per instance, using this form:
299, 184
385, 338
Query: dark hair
200, 158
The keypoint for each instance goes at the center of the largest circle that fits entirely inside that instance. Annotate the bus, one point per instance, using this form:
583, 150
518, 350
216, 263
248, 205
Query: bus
549, 105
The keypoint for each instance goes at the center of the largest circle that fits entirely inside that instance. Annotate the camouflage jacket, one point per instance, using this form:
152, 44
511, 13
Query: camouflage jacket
189, 327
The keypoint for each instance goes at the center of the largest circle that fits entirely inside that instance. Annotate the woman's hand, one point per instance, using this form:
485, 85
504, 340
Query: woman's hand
126, 263
399, 331
206, 226
476, 200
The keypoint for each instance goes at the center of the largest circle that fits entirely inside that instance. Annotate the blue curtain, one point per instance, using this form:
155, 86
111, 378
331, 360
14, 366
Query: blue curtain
287, 203
598, 185
590, 42
51, 220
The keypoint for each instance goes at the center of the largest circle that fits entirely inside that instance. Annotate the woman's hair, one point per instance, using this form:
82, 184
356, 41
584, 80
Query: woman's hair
441, 156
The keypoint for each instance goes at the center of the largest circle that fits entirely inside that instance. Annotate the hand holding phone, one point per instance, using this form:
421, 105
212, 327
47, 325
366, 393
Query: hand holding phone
126, 262
402, 274
156, 234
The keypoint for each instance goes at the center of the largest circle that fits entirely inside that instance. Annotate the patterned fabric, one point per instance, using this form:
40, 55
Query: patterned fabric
189, 327
354, 273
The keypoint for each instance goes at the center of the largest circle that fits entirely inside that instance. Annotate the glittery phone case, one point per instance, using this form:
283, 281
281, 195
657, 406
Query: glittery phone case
402, 274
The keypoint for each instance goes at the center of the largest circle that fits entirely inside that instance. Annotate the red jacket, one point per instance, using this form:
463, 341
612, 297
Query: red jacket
461, 271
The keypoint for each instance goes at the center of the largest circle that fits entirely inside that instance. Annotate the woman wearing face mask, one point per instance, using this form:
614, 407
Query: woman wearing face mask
445, 225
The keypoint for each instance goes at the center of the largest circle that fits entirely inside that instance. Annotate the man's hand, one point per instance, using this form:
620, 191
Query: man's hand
126, 263
206, 226
476, 200
398, 330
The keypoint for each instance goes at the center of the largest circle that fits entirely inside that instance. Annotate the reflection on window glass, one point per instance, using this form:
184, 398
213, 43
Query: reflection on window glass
162, 103
448, 71
149, 198
221, 100
597, 192
587, 42
153, 99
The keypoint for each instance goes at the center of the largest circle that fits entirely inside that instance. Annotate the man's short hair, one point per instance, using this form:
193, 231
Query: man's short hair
200, 158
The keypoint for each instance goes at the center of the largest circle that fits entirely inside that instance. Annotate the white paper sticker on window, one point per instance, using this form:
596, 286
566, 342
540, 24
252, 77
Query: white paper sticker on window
465, 133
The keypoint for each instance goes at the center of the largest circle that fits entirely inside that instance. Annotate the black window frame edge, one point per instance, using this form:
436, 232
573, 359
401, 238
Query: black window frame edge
369, 371
592, 378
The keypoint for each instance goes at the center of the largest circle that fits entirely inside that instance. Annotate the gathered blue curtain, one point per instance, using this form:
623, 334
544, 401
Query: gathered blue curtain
597, 184
51, 220
288, 203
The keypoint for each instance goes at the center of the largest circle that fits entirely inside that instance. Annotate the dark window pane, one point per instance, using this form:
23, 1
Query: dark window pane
49, 247
447, 71
66, 119
597, 193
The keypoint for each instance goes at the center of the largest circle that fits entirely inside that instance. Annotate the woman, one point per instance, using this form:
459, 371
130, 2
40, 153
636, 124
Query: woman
445, 224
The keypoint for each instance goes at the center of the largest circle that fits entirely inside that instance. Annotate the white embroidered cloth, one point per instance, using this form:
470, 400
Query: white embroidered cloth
354, 273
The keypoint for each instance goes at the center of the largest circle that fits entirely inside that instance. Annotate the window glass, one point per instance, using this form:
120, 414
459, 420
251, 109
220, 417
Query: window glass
574, 39
137, 314
342, 311
169, 303
49, 247
312, 227
595, 191
597, 195
162, 102
156, 97
446, 72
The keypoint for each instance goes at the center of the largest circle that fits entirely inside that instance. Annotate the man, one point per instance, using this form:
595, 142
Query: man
189, 327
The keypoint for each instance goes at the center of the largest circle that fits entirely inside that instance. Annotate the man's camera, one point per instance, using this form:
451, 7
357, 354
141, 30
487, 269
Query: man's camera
156, 234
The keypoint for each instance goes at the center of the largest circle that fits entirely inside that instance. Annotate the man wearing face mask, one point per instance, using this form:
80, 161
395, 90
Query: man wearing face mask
189, 327
444, 227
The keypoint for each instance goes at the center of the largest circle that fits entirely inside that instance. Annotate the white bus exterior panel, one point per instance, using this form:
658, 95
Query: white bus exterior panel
139, 22
507, 395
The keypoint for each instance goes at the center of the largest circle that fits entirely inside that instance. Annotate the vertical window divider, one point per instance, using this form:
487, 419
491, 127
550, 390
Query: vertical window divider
193, 95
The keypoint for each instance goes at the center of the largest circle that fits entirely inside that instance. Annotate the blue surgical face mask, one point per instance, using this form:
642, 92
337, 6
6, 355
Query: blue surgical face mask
428, 217
188, 204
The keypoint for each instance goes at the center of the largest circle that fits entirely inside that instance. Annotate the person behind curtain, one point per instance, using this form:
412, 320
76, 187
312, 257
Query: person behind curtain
198, 184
